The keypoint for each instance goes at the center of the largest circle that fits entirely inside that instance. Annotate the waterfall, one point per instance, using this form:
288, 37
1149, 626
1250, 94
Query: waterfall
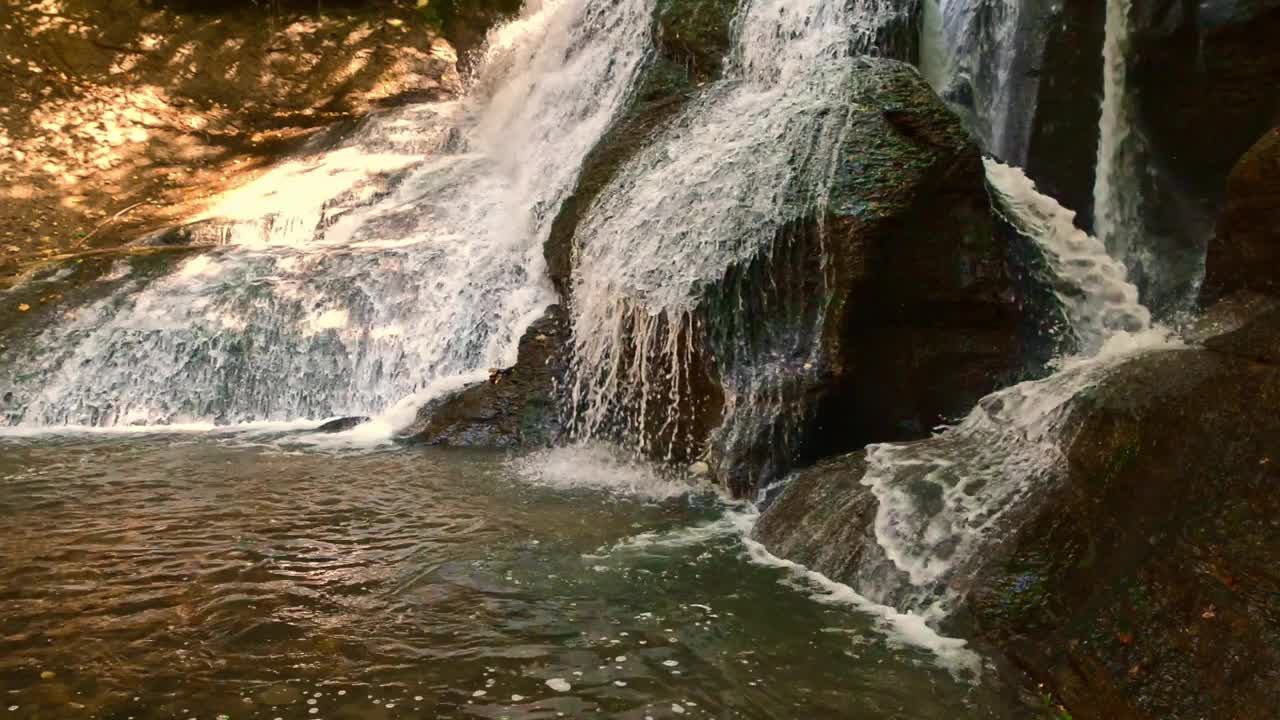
1090, 285
943, 500
1116, 195
353, 277
706, 241
981, 57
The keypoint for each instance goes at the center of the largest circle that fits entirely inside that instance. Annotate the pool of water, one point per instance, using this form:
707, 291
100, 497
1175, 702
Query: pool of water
250, 576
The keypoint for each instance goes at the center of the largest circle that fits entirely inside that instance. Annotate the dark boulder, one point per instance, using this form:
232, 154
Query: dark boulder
1245, 252
1145, 585
1203, 78
515, 406
1141, 583
923, 317
342, 424
902, 267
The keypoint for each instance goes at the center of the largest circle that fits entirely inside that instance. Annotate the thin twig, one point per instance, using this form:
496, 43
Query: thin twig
110, 220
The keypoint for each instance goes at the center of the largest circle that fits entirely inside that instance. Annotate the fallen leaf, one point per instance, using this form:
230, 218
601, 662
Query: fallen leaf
24, 307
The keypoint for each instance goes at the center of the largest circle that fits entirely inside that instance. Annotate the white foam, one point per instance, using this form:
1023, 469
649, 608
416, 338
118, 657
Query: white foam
683, 537
178, 428
901, 629
1092, 287
599, 467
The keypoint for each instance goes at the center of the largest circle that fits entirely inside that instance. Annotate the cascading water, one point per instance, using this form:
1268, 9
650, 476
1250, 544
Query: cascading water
1090, 285
943, 500
981, 57
709, 233
1116, 198
355, 277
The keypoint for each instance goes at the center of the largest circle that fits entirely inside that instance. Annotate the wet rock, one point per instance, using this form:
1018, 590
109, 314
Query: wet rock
515, 406
1144, 586
1141, 584
1245, 252
342, 424
907, 199
1062, 147
1229, 314
691, 40
1203, 79
910, 202
823, 518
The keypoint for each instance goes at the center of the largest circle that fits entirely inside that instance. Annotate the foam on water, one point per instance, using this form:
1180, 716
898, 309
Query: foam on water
200, 428
597, 466
901, 628
353, 277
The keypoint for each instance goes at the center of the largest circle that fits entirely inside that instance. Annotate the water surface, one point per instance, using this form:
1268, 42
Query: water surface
246, 576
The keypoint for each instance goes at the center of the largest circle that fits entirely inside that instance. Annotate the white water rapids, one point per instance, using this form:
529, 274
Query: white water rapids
357, 278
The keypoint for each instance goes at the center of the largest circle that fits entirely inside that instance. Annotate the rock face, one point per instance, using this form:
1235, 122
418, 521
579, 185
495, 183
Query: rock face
515, 407
909, 202
130, 113
1145, 586
1199, 70
1142, 584
1245, 252
1063, 145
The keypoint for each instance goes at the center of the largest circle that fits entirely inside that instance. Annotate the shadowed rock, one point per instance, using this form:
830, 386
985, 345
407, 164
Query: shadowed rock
1245, 252
515, 406
1141, 583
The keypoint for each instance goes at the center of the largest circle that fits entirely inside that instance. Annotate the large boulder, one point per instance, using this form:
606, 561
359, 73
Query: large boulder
1245, 252
923, 317
1140, 583
1145, 585
756, 337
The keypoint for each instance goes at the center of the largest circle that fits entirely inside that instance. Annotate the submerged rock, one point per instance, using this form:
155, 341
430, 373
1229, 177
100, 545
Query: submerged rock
1141, 582
515, 406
